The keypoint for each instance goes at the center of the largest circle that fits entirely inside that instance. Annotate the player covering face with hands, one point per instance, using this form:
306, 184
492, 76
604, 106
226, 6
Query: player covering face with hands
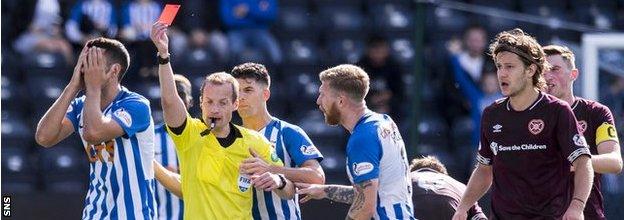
116, 130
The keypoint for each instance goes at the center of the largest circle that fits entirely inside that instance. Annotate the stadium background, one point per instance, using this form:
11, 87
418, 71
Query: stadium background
417, 85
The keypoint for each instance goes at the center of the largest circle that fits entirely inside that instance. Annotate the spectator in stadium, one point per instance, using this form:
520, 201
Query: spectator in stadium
169, 206
467, 67
89, 19
44, 32
137, 18
529, 140
212, 148
595, 122
489, 86
247, 24
292, 144
386, 78
436, 195
116, 128
376, 160
204, 28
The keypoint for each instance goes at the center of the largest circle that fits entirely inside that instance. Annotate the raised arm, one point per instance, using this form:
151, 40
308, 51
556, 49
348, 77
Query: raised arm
174, 111
54, 126
479, 183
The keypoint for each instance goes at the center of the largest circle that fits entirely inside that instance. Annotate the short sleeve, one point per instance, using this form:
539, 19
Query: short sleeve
484, 155
299, 146
606, 126
363, 157
570, 140
190, 133
73, 111
266, 150
133, 116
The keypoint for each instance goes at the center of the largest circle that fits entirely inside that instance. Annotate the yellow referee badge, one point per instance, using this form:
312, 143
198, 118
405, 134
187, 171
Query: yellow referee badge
606, 132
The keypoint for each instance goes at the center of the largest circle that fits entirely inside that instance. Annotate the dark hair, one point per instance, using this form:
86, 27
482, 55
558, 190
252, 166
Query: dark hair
376, 40
114, 51
430, 162
526, 47
183, 85
255, 71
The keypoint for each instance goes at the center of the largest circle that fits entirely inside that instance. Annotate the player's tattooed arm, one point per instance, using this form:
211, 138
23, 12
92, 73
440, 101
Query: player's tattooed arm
364, 200
338, 193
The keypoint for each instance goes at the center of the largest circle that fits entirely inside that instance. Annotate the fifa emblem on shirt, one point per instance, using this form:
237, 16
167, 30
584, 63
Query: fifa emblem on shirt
536, 126
582, 126
243, 183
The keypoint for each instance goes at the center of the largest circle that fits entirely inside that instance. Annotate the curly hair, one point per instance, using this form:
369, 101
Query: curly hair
526, 47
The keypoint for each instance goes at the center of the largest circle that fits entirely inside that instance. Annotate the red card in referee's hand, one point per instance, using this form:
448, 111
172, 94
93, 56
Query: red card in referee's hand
168, 14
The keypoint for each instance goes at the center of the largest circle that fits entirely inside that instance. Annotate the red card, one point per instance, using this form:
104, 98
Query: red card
168, 14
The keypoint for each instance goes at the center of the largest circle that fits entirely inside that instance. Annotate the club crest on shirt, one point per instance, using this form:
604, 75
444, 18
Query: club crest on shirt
579, 140
243, 183
536, 126
582, 126
308, 150
362, 168
494, 148
124, 116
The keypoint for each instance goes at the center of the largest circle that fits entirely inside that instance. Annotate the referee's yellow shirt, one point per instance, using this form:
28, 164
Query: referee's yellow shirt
212, 186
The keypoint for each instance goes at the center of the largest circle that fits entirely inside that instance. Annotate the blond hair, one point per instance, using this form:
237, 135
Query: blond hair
349, 79
564, 51
221, 78
430, 162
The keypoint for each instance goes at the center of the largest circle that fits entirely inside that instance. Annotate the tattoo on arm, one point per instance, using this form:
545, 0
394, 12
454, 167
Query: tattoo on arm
342, 194
360, 198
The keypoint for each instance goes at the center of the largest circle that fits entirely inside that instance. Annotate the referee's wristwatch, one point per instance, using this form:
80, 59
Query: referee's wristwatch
283, 180
163, 58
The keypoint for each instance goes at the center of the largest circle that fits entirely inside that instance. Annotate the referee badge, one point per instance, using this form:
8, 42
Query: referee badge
243, 182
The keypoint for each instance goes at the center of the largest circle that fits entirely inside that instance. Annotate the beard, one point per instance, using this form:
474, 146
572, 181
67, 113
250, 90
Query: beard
332, 115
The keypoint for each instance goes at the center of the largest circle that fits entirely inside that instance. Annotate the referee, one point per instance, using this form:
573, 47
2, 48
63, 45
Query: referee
211, 149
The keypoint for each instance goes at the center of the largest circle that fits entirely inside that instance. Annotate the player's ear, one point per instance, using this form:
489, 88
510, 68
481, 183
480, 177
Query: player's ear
235, 103
532, 69
574, 74
266, 94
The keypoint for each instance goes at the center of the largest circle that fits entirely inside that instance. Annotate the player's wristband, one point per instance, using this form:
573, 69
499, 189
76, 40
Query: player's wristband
283, 184
162, 60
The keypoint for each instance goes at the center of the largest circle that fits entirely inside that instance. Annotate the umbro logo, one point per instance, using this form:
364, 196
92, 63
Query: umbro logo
497, 128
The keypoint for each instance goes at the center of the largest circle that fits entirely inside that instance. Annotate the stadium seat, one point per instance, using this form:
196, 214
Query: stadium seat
198, 61
151, 91
344, 50
293, 21
63, 168
12, 94
402, 49
432, 131
15, 130
445, 20
499, 4
342, 3
462, 129
337, 20
18, 175
392, 17
46, 64
44, 90
300, 51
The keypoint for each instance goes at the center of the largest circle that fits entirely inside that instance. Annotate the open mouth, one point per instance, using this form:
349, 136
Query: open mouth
504, 84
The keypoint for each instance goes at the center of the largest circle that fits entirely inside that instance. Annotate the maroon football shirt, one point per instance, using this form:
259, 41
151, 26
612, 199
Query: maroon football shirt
530, 152
590, 115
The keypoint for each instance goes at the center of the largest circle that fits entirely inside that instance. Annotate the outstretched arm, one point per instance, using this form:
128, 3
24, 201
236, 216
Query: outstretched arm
174, 111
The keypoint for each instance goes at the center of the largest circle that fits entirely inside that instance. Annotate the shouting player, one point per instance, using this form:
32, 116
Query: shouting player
376, 159
529, 140
116, 128
594, 120
292, 144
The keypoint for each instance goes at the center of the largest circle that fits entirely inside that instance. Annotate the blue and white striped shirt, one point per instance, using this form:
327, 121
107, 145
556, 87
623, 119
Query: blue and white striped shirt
169, 205
120, 172
376, 151
101, 13
139, 17
293, 147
